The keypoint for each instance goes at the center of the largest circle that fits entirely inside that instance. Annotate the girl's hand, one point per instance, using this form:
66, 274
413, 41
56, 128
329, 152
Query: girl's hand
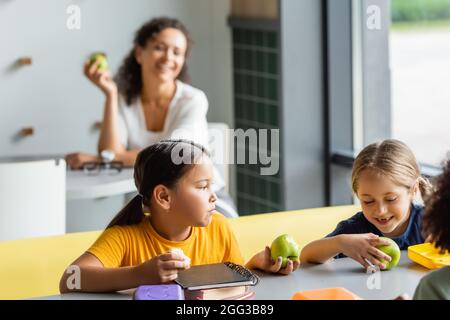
263, 261
161, 269
429, 239
360, 247
76, 160
101, 79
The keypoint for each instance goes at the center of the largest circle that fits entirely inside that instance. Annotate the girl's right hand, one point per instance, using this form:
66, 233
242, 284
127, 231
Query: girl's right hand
101, 78
362, 247
161, 269
263, 261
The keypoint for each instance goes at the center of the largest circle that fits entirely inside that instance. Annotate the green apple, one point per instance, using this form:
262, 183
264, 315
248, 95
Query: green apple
101, 57
391, 250
285, 247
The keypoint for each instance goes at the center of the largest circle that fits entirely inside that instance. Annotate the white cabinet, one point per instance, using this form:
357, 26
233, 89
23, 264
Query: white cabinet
32, 199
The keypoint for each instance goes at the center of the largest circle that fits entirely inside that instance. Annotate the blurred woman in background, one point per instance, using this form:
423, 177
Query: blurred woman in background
149, 100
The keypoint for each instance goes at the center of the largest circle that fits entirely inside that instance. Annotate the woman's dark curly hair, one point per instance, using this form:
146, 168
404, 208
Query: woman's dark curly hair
129, 78
436, 221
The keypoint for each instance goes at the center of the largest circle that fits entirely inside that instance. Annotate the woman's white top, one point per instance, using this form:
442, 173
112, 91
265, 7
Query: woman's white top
185, 119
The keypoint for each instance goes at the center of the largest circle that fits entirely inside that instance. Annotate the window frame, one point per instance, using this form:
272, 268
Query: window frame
359, 110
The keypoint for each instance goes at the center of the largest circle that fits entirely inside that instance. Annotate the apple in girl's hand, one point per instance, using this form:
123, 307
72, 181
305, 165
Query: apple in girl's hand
391, 250
101, 57
285, 247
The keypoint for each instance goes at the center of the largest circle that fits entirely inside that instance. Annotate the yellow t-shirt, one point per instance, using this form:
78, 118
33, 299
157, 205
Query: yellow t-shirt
123, 246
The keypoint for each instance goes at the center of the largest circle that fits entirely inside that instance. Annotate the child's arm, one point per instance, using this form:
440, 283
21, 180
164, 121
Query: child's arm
356, 246
94, 277
263, 261
320, 251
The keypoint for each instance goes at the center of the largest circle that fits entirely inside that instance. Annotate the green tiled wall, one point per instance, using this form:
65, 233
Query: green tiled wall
256, 105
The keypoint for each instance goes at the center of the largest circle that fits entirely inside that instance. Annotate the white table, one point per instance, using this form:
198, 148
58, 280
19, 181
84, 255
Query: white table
339, 273
93, 200
347, 273
80, 185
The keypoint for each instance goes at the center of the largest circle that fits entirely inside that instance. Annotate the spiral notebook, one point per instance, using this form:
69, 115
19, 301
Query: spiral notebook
217, 275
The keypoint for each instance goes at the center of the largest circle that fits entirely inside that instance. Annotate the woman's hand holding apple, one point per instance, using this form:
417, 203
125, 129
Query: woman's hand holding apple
362, 247
100, 77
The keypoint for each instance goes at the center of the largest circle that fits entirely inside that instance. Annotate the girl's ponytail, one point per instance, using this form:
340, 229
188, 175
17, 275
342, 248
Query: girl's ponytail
132, 213
425, 187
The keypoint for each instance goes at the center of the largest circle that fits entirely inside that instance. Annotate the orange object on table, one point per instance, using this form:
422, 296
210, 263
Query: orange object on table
326, 294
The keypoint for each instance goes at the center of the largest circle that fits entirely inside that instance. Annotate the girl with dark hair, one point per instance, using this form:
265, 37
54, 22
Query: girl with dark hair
436, 227
150, 100
175, 209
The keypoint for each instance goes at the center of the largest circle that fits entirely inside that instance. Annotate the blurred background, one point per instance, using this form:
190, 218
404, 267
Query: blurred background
331, 75
420, 64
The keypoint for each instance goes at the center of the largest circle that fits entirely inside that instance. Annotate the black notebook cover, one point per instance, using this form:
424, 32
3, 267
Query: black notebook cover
218, 275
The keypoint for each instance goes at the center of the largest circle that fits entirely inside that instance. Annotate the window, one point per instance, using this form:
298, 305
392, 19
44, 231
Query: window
420, 76
389, 67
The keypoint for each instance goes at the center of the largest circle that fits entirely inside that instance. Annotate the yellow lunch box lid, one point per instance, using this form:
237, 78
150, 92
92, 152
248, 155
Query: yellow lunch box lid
427, 255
